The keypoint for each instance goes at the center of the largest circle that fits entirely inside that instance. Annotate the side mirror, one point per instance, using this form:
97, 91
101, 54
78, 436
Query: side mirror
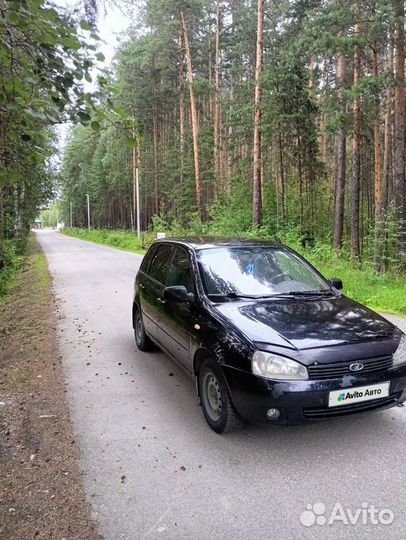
178, 294
336, 283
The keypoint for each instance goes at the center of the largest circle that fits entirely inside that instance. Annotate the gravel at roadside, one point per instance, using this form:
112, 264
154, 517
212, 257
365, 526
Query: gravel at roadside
41, 489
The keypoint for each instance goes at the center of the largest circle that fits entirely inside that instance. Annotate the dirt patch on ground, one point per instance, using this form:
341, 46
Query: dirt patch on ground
41, 488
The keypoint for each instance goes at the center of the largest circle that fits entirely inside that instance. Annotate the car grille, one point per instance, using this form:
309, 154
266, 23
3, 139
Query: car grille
339, 369
330, 412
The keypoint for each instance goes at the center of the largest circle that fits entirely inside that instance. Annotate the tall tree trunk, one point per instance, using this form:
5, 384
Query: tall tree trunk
155, 145
340, 158
229, 147
356, 157
312, 82
209, 102
257, 179
181, 110
300, 170
377, 168
193, 112
281, 174
377, 143
138, 202
388, 138
230, 152
134, 176
399, 164
323, 120
217, 107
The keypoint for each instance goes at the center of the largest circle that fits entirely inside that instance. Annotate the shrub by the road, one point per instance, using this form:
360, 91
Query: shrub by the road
12, 261
114, 238
381, 292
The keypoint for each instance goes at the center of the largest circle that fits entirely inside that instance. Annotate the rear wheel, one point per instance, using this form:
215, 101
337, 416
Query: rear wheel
216, 402
141, 339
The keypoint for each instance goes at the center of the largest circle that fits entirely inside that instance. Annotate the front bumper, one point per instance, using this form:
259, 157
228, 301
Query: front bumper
302, 401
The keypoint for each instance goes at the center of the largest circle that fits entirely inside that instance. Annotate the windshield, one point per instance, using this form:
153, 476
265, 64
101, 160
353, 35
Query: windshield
256, 271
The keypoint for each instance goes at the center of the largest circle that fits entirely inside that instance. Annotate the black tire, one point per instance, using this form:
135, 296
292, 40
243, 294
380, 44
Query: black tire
215, 398
141, 339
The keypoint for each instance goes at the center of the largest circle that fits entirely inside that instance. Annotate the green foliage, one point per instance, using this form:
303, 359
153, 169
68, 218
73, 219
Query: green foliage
384, 292
382, 243
50, 216
52, 59
160, 224
97, 163
43, 60
12, 264
119, 239
232, 216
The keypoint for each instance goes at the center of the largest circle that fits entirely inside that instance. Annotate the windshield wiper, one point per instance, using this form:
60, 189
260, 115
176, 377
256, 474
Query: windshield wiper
321, 292
238, 295
291, 294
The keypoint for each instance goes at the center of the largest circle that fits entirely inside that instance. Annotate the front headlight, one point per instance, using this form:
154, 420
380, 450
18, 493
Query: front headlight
272, 366
400, 355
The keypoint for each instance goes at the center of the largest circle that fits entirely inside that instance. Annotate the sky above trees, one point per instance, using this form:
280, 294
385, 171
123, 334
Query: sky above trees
112, 22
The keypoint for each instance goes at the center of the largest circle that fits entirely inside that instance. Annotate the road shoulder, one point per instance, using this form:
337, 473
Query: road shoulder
41, 488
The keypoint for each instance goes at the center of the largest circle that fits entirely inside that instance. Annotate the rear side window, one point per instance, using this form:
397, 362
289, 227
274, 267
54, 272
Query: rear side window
160, 262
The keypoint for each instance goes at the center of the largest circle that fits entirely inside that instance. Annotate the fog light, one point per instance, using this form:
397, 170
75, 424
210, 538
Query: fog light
273, 414
402, 398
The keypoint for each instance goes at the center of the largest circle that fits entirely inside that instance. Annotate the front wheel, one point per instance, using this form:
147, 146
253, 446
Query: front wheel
141, 339
216, 402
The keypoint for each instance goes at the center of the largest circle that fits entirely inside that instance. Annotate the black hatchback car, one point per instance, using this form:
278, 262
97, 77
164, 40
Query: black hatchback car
266, 336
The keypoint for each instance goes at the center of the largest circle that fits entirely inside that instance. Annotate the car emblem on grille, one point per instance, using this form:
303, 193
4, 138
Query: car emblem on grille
356, 366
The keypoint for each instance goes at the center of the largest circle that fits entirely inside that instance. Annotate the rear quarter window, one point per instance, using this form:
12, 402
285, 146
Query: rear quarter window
146, 261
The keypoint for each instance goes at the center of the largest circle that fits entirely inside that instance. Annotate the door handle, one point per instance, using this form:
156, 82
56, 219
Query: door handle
142, 286
160, 300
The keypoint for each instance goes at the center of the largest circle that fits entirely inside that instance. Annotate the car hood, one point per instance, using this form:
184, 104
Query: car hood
306, 323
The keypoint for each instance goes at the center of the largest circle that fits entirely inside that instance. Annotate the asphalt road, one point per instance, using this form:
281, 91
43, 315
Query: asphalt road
154, 469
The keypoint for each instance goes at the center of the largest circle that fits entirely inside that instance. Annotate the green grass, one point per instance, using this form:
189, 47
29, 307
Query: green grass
385, 293
41, 267
15, 264
125, 240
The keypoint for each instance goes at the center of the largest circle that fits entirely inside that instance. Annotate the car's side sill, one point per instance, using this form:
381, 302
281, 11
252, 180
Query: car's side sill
171, 356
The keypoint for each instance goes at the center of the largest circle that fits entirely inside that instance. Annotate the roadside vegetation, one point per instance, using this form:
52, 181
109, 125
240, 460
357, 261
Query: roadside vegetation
385, 292
119, 239
12, 261
44, 57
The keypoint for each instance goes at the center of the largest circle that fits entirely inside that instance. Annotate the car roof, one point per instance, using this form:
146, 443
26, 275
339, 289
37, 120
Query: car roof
206, 242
